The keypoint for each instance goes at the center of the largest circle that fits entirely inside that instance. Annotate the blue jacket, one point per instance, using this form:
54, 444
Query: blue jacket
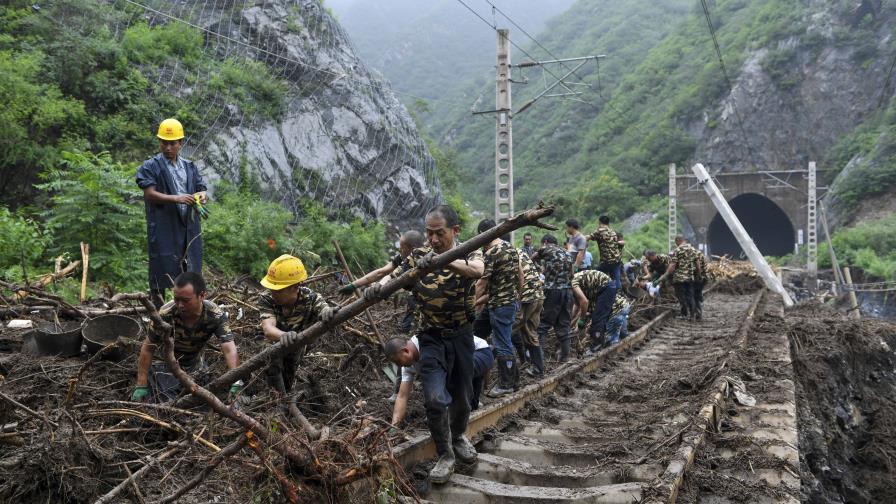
168, 233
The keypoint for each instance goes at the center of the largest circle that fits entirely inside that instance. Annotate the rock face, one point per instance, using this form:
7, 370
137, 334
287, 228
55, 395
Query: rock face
342, 138
799, 97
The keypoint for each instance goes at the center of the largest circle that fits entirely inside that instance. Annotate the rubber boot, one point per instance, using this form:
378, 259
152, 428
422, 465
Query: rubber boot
464, 450
565, 349
597, 343
440, 430
505, 367
537, 356
514, 374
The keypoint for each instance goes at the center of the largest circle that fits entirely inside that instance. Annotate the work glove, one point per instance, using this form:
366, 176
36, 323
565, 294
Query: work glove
372, 292
139, 394
426, 261
327, 314
237, 386
288, 338
347, 289
581, 324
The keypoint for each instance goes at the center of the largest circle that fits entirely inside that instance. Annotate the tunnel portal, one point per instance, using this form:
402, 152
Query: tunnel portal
765, 222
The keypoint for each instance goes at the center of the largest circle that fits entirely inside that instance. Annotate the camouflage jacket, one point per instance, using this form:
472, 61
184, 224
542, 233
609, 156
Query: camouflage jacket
703, 276
685, 258
619, 304
189, 341
298, 317
592, 283
502, 263
607, 244
556, 265
659, 267
533, 285
444, 298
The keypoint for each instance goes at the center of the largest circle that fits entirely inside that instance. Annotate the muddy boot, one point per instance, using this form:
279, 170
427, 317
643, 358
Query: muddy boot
565, 350
505, 367
537, 356
514, 374
440, 431
464, 450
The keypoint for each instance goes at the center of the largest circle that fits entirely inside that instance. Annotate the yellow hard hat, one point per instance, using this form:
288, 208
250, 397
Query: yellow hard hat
283, 272
171, 129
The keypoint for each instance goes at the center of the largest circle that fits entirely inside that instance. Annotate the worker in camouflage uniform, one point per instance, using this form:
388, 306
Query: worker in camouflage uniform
610, 251
285, 310
525, 328
700, 278
617, 325
556, 266
594, 294
445, 300
195, 320
499, 290
527, 247
682, 270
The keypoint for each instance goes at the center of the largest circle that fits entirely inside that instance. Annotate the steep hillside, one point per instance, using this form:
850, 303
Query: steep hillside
425, 47
804, 74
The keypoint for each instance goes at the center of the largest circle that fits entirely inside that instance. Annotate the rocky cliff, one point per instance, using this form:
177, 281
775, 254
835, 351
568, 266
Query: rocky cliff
341, 138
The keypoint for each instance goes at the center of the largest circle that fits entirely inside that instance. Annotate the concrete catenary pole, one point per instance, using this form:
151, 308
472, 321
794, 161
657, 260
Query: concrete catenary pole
673, 208
812, 232
737, 229
503, 132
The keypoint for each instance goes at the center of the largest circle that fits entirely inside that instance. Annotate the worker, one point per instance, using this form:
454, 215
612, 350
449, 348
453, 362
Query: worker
617, 325
682, 271
594, 293
285, 310
525, 328
608, 246
556, 265
406, 353
654, 265
701, 276
498, 293
171, 186
409, 241
631, 271
576, 244
445, 299
527, 247
195, 320
587, 261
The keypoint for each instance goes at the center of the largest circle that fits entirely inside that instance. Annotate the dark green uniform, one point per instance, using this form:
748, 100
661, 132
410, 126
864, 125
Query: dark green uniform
298, 317
556, 265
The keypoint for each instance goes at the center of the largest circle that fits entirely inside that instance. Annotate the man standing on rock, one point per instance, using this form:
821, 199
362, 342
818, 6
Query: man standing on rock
171, 187
556, 265
195, 320
445, 303
683, 269
594, 295
500, 287
286, 310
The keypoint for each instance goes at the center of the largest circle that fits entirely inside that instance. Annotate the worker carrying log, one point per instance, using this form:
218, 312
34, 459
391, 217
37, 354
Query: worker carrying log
286, 310
556, 265
595, 293
194, 320
445, 303
173, 193
683, 269
406, 353
409, 241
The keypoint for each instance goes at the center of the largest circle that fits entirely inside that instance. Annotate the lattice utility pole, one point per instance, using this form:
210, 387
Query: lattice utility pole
673, 210
811, 231
504, 203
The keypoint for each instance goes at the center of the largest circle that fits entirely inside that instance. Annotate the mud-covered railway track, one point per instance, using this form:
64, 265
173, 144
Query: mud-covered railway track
622, 426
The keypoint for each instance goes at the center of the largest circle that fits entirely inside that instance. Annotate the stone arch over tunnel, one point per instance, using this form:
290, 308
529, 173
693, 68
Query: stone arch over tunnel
769, 226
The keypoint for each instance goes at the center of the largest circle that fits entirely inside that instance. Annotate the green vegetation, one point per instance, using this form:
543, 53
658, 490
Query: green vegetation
869, 245
75, 78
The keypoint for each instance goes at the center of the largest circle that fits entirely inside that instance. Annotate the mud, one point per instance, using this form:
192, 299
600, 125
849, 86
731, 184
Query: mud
846, 393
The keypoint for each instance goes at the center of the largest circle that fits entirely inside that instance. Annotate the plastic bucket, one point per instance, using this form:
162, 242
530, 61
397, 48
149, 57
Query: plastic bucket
63, 340
108, 329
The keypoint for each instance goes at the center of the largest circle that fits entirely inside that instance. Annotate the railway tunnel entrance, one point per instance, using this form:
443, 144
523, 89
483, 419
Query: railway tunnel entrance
765, 222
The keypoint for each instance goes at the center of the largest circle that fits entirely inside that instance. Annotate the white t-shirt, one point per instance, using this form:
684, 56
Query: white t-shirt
409, 373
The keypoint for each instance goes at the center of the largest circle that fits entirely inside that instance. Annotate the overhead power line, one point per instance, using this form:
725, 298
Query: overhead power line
740, 122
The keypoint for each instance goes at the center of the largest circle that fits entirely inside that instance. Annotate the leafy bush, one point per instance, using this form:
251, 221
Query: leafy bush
156, 45
869, 245
250, 85
94, 200
22, 244
362, 244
